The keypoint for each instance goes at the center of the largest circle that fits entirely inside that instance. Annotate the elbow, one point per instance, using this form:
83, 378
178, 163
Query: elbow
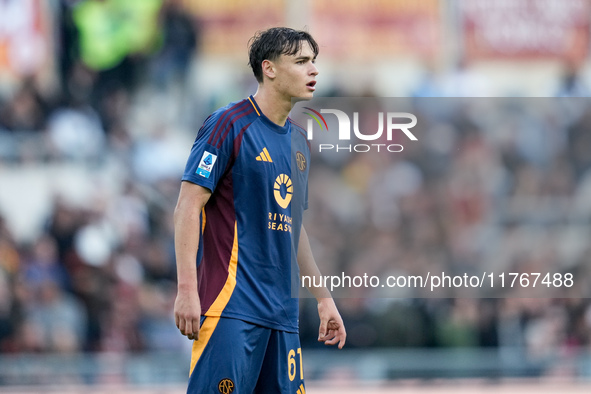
186, 209
191, 201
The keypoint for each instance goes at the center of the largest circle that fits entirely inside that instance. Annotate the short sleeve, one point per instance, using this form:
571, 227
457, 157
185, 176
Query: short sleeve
210, 153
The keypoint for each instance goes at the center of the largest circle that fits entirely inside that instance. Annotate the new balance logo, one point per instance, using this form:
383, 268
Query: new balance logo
264, 156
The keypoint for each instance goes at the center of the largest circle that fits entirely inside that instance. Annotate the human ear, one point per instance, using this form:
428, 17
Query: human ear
268, 69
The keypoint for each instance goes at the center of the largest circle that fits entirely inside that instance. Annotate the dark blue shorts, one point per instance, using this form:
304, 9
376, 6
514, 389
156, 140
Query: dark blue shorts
233, 356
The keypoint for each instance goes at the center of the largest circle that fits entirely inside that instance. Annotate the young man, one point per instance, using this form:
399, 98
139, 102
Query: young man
238, 226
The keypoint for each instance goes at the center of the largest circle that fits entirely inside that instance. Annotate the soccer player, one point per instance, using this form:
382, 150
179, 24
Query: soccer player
238, 224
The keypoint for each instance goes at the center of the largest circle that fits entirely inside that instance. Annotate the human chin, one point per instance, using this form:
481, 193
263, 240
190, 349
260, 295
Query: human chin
305, 96
307, 92
301, 94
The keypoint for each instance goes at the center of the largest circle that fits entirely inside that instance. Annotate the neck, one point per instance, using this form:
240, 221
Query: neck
274, 106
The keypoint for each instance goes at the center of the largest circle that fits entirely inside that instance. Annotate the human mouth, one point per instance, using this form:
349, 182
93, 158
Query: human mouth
311, 85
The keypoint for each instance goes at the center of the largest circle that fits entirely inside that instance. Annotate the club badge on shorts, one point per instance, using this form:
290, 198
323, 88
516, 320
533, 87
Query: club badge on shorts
226, 386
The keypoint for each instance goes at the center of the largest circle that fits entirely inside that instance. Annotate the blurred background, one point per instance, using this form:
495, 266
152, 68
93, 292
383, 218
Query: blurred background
100, 101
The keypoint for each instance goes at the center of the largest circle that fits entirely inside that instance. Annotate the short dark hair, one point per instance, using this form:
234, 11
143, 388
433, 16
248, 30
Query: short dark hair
274, 42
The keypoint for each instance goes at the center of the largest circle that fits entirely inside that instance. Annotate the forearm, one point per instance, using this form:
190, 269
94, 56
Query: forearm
332, 330
186, 244
187, 223
308, 266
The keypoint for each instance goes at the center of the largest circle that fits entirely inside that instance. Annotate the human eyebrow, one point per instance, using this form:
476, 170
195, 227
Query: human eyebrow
304, 58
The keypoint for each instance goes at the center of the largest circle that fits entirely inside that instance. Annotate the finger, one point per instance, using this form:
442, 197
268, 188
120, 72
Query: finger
332, 341
196, 327
329, 335
177, 320
343, 339
323, 330
188, 328
181, 326
338, 338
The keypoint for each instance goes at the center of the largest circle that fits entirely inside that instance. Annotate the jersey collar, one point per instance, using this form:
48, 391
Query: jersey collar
268, 122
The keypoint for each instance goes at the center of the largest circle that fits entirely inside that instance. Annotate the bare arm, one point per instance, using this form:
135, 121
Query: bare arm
332, 329
187, 307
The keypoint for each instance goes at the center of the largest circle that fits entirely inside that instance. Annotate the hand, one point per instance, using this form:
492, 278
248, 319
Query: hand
187, 313
332, 329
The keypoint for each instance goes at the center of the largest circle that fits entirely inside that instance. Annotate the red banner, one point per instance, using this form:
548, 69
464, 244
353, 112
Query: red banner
227, 25
377, 28
26, 47
526, 28
349, 28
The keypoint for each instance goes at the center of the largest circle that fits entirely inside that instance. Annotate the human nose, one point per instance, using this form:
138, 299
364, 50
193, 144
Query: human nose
313, 70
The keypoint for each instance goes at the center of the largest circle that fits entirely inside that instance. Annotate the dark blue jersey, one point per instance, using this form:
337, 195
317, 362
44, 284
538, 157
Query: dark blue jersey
258, 174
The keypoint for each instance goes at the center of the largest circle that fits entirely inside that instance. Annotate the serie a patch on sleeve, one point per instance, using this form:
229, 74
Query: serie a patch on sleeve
206, 164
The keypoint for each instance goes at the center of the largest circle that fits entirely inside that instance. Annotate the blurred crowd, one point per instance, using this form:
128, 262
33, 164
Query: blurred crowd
97, 275
503, 183
492, 185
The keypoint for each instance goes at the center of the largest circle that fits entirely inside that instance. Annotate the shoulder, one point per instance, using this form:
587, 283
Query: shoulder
234, 111
299, 133
233, 116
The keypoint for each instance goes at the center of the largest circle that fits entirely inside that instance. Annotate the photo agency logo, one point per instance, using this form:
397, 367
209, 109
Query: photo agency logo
355, 135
